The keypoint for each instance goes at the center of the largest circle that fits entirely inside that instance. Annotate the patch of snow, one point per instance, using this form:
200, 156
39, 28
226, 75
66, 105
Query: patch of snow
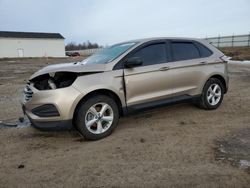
239, 62
244, 164
222, 150
22, 122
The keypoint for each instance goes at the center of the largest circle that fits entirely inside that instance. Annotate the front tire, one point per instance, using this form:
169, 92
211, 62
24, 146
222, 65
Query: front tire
212, 94
97, 117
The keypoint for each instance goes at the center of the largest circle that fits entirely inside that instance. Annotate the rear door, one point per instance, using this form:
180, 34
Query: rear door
151, 81
188, 67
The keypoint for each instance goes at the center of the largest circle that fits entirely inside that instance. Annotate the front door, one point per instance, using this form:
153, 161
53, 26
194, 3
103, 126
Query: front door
151, 81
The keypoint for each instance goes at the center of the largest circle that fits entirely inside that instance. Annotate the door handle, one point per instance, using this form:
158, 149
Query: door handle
164, 68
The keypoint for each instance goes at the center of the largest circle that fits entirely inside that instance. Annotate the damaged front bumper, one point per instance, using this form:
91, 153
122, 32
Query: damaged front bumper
50, 109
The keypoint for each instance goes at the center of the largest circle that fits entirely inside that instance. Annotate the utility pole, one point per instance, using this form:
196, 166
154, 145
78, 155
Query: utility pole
233, 40
248, 44
219, 41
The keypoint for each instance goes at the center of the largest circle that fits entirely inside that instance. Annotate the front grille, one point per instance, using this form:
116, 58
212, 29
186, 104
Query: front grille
27, 92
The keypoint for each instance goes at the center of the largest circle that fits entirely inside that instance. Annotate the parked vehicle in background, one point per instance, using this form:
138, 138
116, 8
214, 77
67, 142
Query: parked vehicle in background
91, 95
73, 54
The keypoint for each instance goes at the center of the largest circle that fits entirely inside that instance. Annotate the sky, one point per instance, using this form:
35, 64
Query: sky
110, 21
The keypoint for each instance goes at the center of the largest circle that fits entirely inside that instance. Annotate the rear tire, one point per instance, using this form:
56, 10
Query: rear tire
97, 117
212, 94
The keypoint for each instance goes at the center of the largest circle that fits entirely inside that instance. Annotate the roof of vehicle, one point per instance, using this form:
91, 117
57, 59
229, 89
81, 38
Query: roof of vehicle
164, 38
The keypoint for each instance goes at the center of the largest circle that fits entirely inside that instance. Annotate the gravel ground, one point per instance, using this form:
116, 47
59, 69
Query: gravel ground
174, 146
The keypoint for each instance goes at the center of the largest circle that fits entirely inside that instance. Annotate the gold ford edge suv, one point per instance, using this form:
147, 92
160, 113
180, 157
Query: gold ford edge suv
91, 95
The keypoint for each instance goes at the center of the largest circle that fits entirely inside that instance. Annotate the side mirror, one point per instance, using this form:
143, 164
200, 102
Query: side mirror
133, 62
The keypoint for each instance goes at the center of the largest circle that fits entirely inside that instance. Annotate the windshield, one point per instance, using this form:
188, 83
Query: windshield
108, 54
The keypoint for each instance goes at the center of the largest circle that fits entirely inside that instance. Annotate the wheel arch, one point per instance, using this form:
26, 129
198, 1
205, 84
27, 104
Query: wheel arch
222, 79
106, 92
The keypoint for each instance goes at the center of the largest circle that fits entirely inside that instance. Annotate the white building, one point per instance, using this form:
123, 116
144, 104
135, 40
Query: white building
28, 44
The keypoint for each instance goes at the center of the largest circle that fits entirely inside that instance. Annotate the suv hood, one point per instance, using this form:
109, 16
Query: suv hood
76, 67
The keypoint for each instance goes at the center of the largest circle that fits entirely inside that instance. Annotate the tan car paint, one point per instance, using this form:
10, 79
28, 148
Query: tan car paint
110, 80
70, 67
191, 75
147, 83
64, 99
132, 85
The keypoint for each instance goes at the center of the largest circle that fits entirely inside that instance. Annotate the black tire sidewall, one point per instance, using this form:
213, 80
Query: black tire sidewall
84, 107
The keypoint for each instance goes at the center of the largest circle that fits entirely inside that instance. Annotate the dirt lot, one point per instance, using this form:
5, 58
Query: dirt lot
174, 146
237, 53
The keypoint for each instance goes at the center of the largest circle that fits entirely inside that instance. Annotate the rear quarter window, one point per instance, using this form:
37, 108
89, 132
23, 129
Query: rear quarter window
204, 51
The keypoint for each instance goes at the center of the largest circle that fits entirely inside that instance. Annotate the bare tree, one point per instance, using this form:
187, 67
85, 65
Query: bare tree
83, 46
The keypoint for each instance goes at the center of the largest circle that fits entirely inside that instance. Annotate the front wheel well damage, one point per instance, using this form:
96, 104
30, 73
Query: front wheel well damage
106, 92
54, 80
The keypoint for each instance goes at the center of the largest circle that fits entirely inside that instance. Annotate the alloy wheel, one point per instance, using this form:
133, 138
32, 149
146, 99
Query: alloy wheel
99, 118
214, 94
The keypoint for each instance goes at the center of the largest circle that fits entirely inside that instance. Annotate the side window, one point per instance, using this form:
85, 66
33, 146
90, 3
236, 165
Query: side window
184, 51
152, 54
204, 51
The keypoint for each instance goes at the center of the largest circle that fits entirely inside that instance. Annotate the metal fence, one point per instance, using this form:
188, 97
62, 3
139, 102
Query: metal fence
230, 41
